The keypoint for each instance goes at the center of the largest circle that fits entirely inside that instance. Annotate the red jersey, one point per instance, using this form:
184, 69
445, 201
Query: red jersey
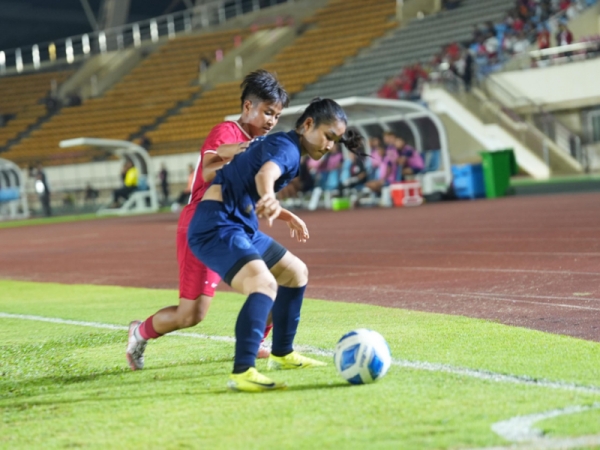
229, 132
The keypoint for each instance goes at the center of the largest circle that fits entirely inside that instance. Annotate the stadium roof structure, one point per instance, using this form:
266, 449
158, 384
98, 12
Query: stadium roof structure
410, 120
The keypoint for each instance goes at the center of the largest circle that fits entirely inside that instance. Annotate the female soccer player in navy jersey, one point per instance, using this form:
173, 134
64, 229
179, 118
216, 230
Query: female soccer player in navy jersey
262, 101
224, 236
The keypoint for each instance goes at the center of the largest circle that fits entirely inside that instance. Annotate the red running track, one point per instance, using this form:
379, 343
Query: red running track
525, 261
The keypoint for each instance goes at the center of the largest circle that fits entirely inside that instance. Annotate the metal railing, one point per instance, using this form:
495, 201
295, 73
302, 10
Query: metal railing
546, 131
556, 55
544, 121
76, 48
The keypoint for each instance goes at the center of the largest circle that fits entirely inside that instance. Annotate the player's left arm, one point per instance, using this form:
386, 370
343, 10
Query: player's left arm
298, 228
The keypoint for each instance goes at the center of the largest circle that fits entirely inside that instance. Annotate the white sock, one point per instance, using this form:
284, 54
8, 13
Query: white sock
137, 335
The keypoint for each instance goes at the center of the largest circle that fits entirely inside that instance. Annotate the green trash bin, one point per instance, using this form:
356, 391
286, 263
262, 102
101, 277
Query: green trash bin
498, 167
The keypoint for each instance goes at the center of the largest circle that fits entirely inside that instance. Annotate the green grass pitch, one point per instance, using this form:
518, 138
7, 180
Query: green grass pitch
68, 386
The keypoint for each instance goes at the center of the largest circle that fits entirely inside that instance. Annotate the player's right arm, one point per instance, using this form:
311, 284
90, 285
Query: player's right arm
228, 151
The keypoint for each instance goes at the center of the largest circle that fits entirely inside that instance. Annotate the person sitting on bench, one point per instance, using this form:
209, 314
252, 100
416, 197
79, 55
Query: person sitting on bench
130, 183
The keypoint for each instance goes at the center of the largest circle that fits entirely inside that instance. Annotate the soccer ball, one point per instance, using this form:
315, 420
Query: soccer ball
362, 356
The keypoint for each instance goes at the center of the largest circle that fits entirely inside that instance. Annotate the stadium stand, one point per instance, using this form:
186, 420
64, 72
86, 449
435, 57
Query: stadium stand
162, 80
418, 40
332, 36
23, 97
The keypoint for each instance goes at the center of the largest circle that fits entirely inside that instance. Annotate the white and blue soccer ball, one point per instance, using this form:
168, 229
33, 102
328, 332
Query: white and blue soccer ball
362, 356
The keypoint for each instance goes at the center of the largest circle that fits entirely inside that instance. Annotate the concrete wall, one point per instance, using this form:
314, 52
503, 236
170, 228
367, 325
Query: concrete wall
568, 86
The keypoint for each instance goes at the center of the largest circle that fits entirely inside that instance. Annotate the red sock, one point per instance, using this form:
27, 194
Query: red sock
147, 330
268, 329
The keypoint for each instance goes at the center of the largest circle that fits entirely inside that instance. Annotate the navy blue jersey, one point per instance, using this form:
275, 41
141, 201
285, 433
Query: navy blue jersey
237, 178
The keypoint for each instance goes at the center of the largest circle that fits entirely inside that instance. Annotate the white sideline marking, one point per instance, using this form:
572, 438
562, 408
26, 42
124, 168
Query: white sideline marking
417, 365
520, 430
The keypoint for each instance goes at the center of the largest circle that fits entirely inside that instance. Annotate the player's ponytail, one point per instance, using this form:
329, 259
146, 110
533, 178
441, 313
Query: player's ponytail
353, 142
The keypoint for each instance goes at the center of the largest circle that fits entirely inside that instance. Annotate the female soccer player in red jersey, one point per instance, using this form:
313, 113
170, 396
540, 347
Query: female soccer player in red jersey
263, 99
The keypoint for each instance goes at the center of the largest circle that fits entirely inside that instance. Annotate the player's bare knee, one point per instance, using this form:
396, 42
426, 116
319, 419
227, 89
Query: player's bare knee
264, 283
294, 275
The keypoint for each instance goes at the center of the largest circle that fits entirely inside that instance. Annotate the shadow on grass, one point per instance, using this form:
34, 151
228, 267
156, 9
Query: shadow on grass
13, 389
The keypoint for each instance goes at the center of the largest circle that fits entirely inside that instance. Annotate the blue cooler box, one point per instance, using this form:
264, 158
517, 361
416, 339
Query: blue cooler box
468, 181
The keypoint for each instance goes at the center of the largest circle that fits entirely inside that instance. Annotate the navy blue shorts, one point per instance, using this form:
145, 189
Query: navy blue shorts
224, 245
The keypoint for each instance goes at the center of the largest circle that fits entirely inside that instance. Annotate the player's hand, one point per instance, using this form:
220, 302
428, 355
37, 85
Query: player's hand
298, 228
242, 146
268, 207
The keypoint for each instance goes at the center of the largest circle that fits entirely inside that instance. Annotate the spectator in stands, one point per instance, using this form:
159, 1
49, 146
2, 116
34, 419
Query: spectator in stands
521, 45
543, 37
43, 190
354, 173
73, 99
491, 46
90, 194
163, 176
490, 28
410, 162
52, 103
377, 156
509, 41
130, 181
203, 66
388, 90
145, 142
477, 33
467, 75
389, 140
564, 36
385, 173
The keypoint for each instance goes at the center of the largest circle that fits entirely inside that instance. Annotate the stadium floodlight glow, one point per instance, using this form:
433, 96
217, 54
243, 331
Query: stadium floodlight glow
69, 51
19, 60
154, 31
2, 62
137, 37
35, 55
102, 41
85, 44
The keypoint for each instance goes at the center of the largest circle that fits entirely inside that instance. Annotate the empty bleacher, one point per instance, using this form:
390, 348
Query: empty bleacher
162, 80
22, 96
418, 40
335, 33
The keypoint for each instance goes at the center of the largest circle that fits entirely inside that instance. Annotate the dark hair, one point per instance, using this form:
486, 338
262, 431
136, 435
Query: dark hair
353, 141
325, 110
263, 86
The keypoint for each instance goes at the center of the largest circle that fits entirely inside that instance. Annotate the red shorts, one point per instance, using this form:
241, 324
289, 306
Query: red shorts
195, 279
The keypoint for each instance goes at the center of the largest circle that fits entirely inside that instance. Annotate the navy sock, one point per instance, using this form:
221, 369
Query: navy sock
286, 316
249, 330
